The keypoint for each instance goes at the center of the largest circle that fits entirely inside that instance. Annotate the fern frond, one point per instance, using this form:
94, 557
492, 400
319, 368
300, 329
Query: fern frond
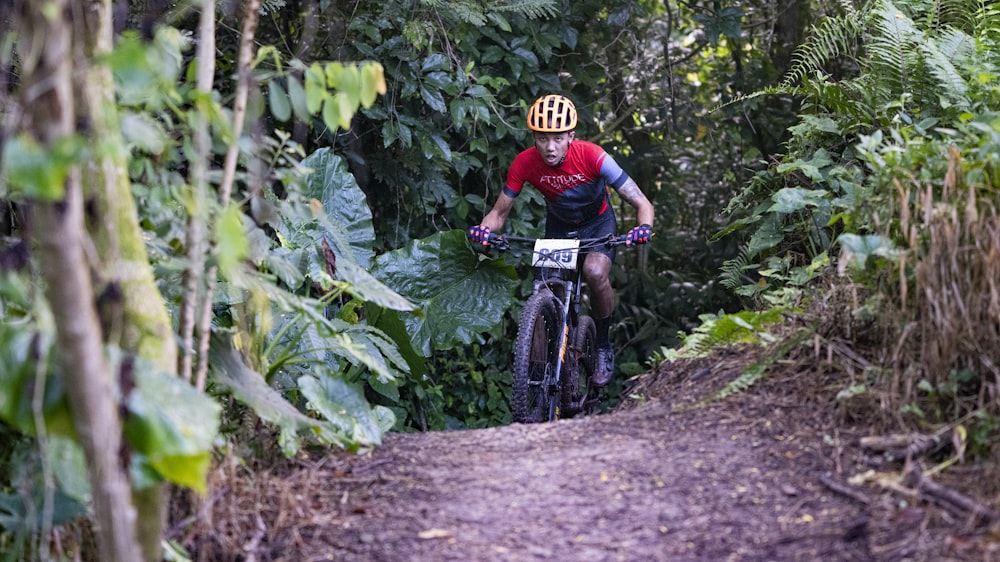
756, 371
475, 12
957, 45
271, 6
888, 45
733, 270
469, 11
910, 60
533, 9
987, 31
847, 101
958, 14
769, 91
832, 38
951, 83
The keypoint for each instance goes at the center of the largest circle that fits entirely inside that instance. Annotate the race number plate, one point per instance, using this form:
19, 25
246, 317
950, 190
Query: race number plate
556, 253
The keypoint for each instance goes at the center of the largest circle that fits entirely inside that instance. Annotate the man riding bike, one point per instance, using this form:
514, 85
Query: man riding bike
575, 178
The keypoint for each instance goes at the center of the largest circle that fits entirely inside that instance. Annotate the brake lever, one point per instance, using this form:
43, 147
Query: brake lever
499, 242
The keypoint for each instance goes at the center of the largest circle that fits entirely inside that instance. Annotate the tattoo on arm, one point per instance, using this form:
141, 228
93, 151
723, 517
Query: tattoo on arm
630, 192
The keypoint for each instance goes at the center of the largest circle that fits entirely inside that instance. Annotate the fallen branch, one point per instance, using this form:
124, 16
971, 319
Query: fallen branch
953, 501
844, 489
911, 446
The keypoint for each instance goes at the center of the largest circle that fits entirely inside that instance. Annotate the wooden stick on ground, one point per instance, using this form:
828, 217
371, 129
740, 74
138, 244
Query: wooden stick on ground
905, 446
844, 489
953, 501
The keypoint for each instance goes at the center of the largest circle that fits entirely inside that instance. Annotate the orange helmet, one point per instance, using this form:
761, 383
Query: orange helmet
552, 114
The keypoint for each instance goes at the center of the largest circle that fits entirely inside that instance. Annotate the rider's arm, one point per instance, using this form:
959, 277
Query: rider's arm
626, 188
498, 214
631, 193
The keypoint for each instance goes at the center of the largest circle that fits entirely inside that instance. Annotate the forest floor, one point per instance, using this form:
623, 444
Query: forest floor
775, 473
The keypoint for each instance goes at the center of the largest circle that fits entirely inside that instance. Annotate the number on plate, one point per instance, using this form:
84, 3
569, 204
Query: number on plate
555, 253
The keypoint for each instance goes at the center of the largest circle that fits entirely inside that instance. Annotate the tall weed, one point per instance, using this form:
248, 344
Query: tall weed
946, 358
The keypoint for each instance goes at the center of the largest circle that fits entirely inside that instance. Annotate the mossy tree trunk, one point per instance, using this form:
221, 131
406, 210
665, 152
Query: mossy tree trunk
133, 313
90, 250
62, 252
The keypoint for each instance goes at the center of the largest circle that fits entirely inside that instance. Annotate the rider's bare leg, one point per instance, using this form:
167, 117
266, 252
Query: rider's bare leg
602, 300
596, 269
602, 297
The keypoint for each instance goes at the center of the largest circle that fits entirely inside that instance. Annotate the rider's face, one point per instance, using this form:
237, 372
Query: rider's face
553, 146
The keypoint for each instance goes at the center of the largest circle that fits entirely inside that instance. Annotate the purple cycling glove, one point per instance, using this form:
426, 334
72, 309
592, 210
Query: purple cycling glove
639, 235
481, 234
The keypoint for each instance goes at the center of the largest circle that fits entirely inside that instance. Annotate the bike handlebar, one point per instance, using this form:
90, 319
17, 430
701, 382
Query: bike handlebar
502, 242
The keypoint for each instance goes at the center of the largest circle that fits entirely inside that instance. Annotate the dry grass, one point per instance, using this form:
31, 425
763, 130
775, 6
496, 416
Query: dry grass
949, 299
925, 345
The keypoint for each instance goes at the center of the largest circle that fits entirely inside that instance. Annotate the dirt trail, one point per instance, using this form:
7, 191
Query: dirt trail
747, 479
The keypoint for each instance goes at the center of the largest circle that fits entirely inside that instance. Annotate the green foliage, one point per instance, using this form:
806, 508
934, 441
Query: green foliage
831, 37
319, 371
476, 12
353, 86
722, 330
160, 409
758, 369
23, 375
940, 225
268, 403
723, 23
459, 293
915, 74
858, 249
307, 365
171, 430
468, 387
28, 504
893, 166
36, 172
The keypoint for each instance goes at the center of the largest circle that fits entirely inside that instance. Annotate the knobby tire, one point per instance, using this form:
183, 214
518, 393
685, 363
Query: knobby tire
535, 354
578, 387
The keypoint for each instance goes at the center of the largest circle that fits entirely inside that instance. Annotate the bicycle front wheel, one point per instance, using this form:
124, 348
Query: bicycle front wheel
535, 355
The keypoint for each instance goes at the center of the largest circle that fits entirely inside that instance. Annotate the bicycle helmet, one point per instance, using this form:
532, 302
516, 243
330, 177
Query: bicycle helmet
552, 114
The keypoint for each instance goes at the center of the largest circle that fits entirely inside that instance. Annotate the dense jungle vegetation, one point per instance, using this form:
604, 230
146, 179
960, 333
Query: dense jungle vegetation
230, 227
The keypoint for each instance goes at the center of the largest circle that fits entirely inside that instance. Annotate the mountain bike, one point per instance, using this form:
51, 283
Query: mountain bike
555, 353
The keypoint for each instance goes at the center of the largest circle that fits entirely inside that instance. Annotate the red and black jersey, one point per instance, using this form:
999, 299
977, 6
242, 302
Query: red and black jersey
576, 191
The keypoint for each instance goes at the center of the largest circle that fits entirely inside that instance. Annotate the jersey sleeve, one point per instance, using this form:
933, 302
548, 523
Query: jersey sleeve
606, 167
612, 172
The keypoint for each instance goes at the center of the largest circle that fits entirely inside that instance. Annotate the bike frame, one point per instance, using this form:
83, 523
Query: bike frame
565, 286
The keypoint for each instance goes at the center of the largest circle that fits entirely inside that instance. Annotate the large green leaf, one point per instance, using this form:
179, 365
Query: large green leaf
345, 405
249, 387
69, 467
390, 323
19, 377
333, 185
812, 168
15, 515
173, 427
793, 199
346, 224
856, 248
460, 293
370, 289
360, 344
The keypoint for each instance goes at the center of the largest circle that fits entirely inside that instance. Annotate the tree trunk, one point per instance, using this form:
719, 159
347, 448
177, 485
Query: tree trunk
56, 229
133, 312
